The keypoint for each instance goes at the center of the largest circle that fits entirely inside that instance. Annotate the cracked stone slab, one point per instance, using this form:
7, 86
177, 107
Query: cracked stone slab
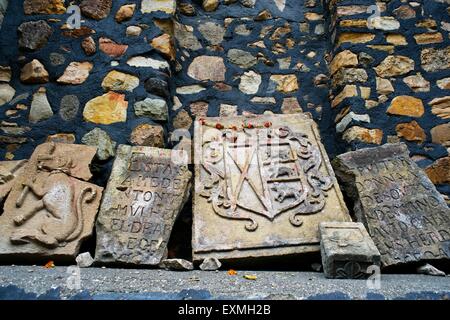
147, 189
405, 215
50, 210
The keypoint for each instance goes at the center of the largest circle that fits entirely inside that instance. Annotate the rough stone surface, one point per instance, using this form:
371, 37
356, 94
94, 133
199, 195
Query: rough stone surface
435, 59
400, 207
285, 83
241, 58
210, 264
145, 193
5, 74
6, 93
428, 269
441, 107
100, 139
34, 34
347, 250
207, 68
144, 62
167, 6
157, 87
50, 209
241, 223
89, 46
439, 171
165, 45
212, 32
76, 73
125, 12
411, 131
177, 265
120, 81
155, 109
106, 109
357, 133
84, 260
111, 48
394, 66
250, 82
182, 120
40, 107
34, 72
406, 106
68, 108
148, 135
96, 9
44, 7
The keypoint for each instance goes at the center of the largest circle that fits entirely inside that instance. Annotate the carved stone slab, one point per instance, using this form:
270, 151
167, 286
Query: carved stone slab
403, 212
262, 186
147, 189
347, 250
50, 210
9, 170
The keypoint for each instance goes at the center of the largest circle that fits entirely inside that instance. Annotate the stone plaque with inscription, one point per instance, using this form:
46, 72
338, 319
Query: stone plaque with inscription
403, 212
50, 210
262, 186
347, 250
147, 189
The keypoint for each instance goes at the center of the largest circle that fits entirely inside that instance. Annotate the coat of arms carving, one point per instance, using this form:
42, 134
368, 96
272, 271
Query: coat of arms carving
257, 175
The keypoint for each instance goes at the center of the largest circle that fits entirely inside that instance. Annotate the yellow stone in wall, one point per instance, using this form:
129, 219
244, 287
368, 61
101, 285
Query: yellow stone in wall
165, 45
167, 6
119, 81
356, 133
285, 83
355, 37
44, 7
396, 39
406, 106
411, 131
428, 38
343, 59
106, 109
357, 23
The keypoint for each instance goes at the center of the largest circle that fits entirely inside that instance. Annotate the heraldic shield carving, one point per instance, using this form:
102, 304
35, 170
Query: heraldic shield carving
256, 175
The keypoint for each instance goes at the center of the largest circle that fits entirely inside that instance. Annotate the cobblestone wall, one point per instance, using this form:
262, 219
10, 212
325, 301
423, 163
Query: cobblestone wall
369, 72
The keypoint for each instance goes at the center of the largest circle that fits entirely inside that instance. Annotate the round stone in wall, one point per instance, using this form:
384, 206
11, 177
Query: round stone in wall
69, 107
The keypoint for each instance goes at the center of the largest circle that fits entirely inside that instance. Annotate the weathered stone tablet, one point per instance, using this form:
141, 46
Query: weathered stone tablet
262, 186
347, 250
147, 189
403, 212
50, 210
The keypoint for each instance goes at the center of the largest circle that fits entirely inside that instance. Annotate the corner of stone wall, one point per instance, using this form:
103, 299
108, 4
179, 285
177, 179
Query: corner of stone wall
390, 78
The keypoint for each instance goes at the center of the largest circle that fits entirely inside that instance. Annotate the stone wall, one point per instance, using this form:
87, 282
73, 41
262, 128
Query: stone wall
103, 84
390, 77
365, 81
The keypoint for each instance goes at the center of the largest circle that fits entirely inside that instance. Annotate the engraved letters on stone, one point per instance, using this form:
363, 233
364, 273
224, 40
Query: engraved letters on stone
262, 185
147, 189
50, 209
403, 212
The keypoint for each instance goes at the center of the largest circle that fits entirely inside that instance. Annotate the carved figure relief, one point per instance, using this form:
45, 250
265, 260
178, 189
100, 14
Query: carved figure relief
54, 193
